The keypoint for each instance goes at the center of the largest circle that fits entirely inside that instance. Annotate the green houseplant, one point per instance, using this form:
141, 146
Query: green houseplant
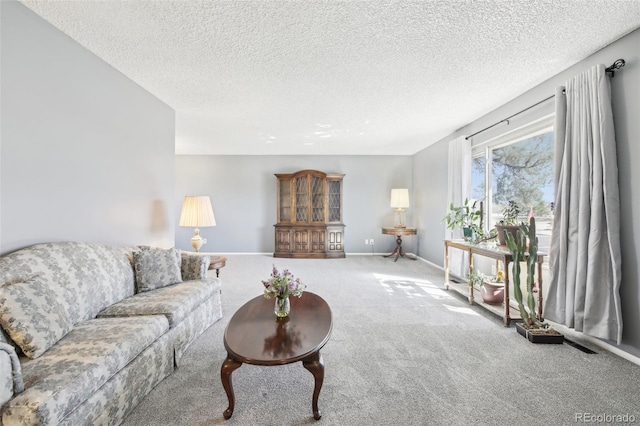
464, 217
509, 222
468, 217
524, 248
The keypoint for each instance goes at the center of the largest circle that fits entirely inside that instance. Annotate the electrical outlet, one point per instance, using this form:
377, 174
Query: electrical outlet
366, 242
493, 270
204, 241
371, 241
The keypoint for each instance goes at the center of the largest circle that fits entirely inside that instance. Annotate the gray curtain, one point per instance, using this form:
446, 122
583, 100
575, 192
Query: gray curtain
584, 259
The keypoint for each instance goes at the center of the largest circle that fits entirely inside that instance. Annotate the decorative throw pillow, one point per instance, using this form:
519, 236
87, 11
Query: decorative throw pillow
33, 315
194, 266
156, 267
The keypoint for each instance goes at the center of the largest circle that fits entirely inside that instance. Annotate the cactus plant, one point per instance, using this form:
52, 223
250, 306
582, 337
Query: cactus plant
520, 252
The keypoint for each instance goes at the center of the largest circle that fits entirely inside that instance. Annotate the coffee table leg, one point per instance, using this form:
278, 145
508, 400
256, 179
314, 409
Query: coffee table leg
228, 367
315, 365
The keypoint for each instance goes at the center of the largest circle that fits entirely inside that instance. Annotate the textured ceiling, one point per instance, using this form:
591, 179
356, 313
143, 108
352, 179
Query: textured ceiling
348, 77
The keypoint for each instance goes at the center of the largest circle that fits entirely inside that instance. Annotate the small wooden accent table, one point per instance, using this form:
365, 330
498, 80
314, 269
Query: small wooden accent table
399, 232
255, 336
217, 262
499, 253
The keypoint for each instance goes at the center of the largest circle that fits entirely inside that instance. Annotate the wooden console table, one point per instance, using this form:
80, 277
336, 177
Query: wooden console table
500, 254
399, 232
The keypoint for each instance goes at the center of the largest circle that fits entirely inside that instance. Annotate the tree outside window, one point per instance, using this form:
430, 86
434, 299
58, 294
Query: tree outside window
521, 171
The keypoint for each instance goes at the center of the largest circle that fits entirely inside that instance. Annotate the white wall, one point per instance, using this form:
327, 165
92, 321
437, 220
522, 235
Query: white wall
86, 154
429, 173
243, 194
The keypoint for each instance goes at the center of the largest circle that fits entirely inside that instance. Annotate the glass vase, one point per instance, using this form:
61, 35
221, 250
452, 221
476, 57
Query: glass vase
282, 307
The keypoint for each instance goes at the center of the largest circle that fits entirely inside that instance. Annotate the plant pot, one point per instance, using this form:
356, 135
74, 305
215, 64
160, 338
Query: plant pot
512, 229
540, 335
492, 293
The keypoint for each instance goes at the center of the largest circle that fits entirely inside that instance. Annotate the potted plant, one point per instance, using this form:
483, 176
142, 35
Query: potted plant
491, 286
465, 217
478, 234
509, 222
524, 247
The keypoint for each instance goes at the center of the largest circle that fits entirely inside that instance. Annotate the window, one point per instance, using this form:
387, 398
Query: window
517, 166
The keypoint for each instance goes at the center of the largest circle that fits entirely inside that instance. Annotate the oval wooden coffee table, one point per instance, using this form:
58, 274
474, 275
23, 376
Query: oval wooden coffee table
255, 336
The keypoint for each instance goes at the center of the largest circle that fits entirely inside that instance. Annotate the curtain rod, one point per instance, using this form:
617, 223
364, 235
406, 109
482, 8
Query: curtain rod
615, 66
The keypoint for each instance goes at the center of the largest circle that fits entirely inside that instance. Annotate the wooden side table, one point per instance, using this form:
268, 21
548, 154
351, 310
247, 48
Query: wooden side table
217, 262
399, 232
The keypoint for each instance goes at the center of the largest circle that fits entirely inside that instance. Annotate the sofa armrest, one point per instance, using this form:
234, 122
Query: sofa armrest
194, 266
10, 373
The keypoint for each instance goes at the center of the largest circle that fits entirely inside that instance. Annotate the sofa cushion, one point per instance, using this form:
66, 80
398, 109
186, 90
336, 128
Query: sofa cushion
175, 302
194, 266
156, 268
33, 315
79, 364
89, 276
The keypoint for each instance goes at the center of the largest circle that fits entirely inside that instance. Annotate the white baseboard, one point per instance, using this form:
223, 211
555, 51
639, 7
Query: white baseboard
247, 253
430, 263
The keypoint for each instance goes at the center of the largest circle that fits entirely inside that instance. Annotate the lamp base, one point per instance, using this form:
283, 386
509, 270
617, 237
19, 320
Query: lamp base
197, 241
399, 218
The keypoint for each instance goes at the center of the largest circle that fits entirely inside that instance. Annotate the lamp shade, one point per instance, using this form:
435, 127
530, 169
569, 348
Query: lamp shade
399, 198
197, 212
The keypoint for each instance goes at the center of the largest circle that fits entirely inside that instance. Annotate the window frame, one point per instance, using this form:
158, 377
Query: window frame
511, 137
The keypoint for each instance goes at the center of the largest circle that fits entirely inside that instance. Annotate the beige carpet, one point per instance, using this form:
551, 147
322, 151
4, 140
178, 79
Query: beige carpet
403, 351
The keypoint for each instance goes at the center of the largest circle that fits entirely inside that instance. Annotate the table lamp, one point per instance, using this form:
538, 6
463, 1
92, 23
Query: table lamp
399, 202
197, 213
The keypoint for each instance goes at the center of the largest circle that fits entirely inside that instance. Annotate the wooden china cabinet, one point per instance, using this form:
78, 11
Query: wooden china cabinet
309, 215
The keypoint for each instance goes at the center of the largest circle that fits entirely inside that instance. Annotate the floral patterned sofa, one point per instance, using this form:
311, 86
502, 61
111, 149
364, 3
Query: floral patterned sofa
87, 330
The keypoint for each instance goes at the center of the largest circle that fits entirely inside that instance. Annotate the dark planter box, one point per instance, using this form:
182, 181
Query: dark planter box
539, 338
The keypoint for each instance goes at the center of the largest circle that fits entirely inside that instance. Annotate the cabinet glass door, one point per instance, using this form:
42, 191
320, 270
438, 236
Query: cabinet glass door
285, 201
317, 199
334, 201
302, 199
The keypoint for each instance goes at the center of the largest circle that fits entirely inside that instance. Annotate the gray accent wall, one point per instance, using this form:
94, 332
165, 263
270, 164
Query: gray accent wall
85, 154
430, 169
243, 195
